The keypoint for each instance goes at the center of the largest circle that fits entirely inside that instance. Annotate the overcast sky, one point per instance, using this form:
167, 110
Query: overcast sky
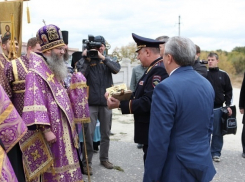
211, 24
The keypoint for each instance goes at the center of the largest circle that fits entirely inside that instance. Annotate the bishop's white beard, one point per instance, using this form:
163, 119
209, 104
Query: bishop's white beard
57, 66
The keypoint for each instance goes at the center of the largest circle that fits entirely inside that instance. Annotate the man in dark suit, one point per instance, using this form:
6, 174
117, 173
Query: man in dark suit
181, 120
140, 102
241, 107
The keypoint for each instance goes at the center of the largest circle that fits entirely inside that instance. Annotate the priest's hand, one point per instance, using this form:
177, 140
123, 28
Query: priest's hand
113, 103
50, 137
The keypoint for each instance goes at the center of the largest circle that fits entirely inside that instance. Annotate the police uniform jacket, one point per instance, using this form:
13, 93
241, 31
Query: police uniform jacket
98, 75
140, 102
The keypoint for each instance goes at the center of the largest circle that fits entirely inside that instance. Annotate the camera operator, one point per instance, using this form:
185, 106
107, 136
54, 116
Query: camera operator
98, 72
198, 65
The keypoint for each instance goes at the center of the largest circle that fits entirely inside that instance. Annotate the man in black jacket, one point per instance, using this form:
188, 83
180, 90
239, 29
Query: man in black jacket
98, 73
241, 107
140, 102
198, 67
223, 94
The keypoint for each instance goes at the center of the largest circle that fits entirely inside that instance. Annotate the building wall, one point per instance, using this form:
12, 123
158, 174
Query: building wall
124, 75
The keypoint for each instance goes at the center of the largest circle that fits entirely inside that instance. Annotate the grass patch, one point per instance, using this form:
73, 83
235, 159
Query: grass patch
118, 168
123, 133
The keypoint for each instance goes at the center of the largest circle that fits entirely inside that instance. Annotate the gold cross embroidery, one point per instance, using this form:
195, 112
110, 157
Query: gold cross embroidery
50, 77
35, 155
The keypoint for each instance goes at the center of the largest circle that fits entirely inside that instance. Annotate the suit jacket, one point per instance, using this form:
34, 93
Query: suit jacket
180, 128
242, 98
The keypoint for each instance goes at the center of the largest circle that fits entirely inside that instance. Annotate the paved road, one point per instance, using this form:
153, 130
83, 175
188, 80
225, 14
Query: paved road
124, 153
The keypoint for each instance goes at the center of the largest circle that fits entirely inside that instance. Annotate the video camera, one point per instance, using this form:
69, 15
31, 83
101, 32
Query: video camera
203, 62
91, 44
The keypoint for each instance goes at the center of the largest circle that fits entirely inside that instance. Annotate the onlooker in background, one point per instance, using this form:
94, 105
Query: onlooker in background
179, 147
163, 38
223, 94
137, 73
98, 72
5, 48
6, 42
241, 107
200, 68
140, 101
32, 46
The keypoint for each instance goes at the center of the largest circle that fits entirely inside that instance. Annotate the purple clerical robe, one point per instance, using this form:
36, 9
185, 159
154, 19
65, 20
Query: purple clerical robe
3, 60
4, 82
6, 171
12, 127
47, 104
15, 72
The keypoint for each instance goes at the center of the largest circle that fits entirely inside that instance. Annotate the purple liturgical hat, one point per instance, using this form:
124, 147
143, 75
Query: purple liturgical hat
49, 37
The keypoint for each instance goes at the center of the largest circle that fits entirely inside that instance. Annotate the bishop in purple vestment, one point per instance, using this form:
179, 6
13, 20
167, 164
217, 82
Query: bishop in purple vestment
48, 108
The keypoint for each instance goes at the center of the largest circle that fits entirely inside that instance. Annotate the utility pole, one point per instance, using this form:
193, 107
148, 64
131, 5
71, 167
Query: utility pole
179, 25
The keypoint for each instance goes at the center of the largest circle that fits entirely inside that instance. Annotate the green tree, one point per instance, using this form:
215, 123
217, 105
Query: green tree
127, 51
239, 49
238, 60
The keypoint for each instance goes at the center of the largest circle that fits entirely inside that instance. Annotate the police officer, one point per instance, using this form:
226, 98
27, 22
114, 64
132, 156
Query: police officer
140, 102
